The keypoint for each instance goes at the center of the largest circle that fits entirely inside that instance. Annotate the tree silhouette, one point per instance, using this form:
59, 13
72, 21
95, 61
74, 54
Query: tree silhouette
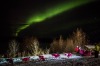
13, 48
32, 47
78, 38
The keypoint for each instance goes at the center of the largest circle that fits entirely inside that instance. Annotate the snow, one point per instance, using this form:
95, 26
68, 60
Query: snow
90, 46
50, 60
48, 57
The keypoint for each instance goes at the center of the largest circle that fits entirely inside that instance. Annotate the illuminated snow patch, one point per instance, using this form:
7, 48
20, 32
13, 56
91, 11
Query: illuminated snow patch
47, 56
3, 60
74, 56
34, 57
63, 56
17, 60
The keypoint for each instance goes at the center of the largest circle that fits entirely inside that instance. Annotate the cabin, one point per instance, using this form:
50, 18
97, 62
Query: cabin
90, 47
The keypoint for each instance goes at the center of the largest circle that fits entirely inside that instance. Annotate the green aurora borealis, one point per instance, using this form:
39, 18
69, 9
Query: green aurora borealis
47, 13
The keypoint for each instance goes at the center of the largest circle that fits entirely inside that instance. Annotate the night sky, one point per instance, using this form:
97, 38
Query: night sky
48, 19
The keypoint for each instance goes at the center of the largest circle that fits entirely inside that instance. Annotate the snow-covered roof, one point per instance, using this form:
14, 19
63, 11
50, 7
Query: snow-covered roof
90, 46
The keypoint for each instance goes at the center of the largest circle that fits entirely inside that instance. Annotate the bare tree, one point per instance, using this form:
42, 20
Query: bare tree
69, 47
13, 48
54, 47
46, 51
79, 38
61, 44
32, 47
57, 45
35, 47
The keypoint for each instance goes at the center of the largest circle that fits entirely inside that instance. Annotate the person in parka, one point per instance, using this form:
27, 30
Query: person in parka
96, 51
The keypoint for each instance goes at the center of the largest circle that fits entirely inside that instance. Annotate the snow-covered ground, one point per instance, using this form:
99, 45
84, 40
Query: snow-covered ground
47, 57
50, 60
